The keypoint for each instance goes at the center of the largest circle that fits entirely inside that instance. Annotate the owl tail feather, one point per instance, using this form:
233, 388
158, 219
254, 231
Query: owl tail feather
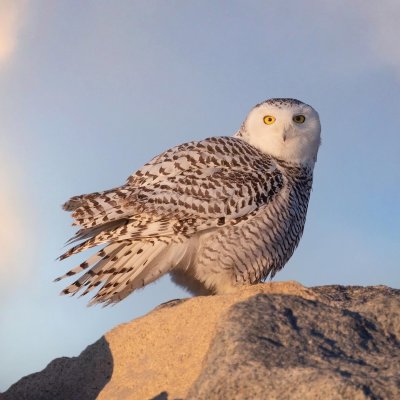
91, 237
124, 267
86, 233
102, 255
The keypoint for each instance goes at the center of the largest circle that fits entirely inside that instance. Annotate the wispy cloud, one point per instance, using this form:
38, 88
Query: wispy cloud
364, 34
383, 29
16, 234
12, 14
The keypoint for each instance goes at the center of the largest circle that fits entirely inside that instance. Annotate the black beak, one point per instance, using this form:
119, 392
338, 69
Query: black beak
286, 134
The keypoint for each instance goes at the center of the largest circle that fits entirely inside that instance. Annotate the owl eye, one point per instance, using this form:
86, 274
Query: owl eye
299, 119
269, 119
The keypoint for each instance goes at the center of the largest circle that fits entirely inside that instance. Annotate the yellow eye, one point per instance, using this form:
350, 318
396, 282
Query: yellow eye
269, 119
299, 119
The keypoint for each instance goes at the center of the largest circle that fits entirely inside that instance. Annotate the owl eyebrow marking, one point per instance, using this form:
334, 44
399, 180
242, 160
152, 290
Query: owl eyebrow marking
215, 214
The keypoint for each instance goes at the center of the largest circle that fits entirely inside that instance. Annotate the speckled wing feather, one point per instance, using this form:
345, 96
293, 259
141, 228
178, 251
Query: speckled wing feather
214, 179
190, 188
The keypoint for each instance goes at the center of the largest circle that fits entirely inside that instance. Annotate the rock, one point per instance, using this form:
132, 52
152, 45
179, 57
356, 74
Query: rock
268, 341
286, 347
71, 378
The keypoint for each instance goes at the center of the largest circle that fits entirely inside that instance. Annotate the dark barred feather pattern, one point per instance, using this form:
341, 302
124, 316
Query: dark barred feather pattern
218, 209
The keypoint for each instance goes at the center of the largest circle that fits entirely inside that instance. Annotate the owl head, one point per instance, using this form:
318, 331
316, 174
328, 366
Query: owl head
284, 128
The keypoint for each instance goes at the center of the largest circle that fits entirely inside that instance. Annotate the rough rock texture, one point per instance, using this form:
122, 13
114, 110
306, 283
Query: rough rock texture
269, 341
292, 348
80, 377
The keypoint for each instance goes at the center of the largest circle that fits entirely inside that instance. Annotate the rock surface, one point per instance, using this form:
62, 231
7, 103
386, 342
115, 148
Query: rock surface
268, 341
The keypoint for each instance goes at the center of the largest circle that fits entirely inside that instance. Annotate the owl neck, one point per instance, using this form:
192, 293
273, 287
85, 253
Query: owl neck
298, 172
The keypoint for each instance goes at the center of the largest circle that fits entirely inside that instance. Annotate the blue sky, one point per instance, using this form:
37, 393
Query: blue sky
89, 91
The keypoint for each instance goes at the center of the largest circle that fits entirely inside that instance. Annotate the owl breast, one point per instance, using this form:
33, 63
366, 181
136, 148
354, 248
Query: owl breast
257, 245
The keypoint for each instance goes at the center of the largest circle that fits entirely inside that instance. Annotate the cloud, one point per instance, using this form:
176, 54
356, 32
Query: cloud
383, 22
382, 31
363, 34
12, 14
17, 237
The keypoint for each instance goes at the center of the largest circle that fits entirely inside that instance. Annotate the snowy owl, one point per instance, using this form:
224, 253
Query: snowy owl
215, 214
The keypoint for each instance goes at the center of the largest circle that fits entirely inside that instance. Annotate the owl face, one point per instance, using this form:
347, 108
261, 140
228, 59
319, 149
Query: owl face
284, 128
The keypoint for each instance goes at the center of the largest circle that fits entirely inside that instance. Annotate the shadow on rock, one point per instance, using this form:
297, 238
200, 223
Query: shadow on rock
161, 396
77, 378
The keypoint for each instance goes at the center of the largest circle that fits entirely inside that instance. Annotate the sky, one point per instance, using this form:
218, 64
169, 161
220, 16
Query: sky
90, 91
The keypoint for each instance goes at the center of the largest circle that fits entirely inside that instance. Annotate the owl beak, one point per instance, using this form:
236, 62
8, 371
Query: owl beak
285, 134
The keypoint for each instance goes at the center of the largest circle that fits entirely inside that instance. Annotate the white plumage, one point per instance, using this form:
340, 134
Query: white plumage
216, 214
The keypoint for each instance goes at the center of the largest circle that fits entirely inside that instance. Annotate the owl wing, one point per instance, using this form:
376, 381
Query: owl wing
190, 188
194, 186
